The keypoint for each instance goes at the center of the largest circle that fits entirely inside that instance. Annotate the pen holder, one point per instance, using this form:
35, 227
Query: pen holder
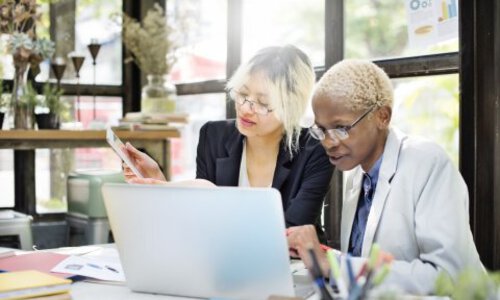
355, 283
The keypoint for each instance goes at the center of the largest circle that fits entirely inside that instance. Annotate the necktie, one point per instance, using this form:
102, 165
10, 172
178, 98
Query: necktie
359, 225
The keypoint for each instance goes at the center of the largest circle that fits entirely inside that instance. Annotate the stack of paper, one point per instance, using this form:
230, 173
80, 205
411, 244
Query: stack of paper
154, 121
28, 284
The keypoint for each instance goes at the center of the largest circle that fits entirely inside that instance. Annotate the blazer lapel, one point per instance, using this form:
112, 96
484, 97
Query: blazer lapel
387, 170
282, 168
228, 168
351, 196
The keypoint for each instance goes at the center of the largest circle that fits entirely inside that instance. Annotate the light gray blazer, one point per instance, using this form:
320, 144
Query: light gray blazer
419, 214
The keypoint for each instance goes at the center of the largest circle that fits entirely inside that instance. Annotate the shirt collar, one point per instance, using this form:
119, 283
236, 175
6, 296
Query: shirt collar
374, 171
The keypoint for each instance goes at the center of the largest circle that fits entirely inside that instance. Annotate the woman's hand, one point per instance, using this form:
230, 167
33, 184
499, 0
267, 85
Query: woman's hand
300, 240
145, 164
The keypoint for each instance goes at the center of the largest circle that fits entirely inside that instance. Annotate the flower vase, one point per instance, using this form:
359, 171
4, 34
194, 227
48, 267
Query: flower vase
158, 96
22, 110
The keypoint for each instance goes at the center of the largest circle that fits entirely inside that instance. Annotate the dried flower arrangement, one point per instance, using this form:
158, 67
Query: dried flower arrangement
150, 42
18, 19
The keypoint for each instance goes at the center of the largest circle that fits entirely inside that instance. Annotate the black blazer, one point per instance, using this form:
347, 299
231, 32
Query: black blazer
302, 181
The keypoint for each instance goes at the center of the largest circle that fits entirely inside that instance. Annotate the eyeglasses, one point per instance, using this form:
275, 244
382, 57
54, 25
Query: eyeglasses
255, 106
340, 133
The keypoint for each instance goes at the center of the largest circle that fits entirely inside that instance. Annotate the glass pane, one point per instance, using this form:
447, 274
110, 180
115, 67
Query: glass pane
107, 111
201, 108
94, 22
379, 29
429, 107
53, 165
201, 53
7, 178
270, 23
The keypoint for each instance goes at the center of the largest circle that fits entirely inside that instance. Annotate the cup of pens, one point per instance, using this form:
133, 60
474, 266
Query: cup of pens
359, 281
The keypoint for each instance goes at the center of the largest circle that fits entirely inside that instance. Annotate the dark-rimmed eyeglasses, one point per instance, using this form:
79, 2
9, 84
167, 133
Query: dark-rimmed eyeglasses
340, 133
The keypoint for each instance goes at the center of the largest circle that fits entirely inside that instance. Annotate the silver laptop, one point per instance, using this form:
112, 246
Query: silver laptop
223, 242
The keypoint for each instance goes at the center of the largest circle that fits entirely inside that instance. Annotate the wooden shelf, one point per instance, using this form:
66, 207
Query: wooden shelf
33, 139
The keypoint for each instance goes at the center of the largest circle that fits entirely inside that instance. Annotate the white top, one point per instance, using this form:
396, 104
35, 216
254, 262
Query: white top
243, 178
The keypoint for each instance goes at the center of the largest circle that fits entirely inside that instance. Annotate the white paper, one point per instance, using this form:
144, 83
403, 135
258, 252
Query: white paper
91, 267
431, 21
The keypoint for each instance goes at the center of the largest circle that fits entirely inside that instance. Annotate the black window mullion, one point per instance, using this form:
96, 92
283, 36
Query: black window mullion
234, 44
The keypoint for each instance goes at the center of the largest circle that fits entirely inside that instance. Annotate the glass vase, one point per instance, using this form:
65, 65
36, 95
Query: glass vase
22, 111
158, 96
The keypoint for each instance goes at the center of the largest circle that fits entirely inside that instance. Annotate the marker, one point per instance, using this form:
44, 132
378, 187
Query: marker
381, 275
335, 273
350, 272
111, 269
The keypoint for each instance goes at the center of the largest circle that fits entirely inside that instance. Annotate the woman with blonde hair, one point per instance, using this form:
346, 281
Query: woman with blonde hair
265, 145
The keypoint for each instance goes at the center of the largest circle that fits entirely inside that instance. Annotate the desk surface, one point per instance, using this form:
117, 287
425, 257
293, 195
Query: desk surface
91, 290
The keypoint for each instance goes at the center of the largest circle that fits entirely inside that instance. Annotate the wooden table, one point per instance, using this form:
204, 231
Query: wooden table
24, 143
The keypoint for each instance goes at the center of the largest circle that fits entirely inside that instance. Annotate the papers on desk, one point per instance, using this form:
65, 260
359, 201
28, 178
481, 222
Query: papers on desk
40, 261
91, 267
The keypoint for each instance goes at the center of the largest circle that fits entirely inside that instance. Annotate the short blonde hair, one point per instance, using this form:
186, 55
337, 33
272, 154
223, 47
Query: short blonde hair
290, 80
362, 83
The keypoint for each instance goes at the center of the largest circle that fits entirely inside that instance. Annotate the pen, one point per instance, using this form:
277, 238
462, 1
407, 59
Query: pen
94, 266
111, 269
318, 278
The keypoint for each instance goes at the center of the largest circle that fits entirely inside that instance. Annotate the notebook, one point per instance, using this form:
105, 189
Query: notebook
222, 242
27, 284
38, 260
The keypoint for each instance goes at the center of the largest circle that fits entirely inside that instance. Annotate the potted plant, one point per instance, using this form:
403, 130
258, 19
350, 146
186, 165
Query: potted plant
18, 20
150, 45
51, 107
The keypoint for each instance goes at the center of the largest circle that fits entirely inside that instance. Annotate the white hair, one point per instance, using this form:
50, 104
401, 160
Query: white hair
361, 84
290, 79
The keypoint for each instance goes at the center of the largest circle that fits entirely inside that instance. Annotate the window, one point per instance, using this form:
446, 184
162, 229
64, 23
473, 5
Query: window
7, 178
201, 108
94, 22
428, 107
202, 41
276, 23
379, 29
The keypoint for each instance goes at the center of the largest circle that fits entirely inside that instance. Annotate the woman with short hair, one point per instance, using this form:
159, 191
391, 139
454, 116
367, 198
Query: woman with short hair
403, 192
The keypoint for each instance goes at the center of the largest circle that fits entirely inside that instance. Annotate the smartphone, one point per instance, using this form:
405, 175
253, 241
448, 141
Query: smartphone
117, 145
